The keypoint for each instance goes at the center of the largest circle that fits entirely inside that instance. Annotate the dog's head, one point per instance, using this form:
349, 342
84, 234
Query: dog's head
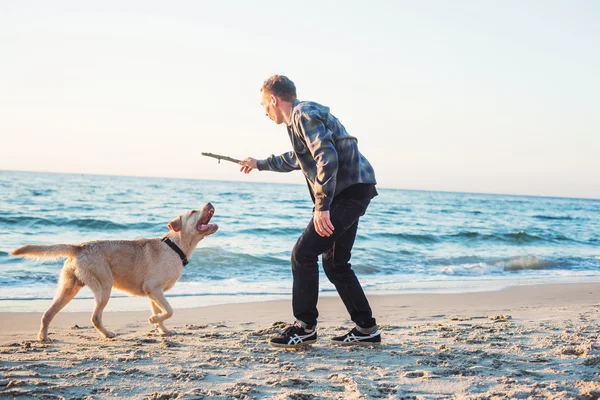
195, 222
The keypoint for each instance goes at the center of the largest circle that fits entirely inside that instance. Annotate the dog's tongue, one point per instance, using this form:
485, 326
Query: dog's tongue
205, 227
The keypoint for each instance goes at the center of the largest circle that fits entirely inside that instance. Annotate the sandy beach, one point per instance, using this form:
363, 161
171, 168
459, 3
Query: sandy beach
522, 342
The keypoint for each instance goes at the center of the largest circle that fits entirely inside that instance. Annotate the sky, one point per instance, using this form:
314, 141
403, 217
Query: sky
467, 96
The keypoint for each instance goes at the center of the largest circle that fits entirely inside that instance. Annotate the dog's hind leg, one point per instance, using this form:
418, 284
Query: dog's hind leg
160, 325
68, 287
101, 290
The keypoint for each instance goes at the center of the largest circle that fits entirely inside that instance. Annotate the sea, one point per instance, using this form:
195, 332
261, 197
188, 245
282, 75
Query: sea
408, 241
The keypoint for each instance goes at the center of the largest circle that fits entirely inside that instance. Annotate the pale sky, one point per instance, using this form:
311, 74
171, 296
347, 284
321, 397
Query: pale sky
470, 96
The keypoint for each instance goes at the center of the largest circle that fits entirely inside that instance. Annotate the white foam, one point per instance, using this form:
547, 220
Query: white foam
524, 262
465, 269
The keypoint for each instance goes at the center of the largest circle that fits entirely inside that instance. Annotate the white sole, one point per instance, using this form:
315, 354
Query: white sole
293, 346
355, 343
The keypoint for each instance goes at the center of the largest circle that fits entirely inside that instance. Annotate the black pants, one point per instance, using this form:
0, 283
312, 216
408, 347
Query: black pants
336, 250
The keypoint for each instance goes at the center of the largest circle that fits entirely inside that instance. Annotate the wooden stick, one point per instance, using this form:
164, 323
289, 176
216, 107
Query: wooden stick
220, 157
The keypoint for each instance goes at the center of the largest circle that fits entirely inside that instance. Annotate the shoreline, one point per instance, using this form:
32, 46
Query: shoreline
120, 301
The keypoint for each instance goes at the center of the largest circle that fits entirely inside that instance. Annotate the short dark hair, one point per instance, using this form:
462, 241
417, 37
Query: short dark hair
280, 86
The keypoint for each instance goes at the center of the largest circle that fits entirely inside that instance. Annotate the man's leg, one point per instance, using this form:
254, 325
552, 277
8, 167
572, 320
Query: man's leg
305, 269
305, 272
336, 263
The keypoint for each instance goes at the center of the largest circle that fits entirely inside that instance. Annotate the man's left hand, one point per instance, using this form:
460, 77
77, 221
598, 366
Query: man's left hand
323, 224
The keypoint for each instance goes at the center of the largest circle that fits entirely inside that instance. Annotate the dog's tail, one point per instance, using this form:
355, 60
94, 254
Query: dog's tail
46, 252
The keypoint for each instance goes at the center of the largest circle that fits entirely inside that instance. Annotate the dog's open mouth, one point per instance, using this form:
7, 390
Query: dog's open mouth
204, 225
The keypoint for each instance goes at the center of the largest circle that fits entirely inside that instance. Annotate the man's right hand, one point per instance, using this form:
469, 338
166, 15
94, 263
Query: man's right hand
248, 164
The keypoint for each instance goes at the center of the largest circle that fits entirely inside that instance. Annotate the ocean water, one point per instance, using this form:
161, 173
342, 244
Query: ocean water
408, 242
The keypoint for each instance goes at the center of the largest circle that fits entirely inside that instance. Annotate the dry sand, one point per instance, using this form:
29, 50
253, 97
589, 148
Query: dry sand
521, 342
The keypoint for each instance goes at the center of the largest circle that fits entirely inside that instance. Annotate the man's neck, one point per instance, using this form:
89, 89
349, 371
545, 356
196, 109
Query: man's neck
286, 110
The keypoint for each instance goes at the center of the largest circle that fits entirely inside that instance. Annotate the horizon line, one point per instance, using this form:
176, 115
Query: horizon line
300, 184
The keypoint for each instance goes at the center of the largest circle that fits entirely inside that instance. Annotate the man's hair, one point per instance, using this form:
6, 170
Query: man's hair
280, 86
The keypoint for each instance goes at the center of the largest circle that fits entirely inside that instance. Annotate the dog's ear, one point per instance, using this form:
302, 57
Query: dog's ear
175, 225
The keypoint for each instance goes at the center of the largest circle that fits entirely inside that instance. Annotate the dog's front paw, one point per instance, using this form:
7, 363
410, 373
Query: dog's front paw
168, 332
109, 335
153, 319
43, 335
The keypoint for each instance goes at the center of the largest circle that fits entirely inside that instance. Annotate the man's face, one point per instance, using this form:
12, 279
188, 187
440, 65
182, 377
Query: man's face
271, 105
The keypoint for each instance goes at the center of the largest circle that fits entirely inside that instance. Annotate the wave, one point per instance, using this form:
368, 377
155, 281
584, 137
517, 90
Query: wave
553, 217
23, 277
214, 263
387, 251
478, 267
513, 237
240, 195
525, 263
395, 210
41, 192
272, 231
366, 269
468, 235
83, 223
521, 236
6, 259
407, 237
217, 254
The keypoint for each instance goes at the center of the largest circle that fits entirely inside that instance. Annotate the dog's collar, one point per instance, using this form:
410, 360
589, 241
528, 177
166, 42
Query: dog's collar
177, 250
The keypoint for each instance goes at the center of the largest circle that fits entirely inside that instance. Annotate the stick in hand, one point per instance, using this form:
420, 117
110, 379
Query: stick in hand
220, 157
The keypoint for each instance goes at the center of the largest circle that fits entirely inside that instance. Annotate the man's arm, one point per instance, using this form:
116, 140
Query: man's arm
285, 162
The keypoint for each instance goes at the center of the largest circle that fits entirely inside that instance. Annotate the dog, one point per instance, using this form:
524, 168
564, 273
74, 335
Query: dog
143, 267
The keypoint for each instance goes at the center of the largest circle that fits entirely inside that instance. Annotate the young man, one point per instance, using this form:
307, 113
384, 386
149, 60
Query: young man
342, 184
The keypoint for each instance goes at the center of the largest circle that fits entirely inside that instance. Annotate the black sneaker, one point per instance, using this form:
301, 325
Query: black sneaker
294, 336
354, 337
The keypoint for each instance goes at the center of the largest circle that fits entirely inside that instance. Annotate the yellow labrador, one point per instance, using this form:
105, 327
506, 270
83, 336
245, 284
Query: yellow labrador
144, 267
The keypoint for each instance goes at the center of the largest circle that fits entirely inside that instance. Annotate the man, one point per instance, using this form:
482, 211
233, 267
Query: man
342, 184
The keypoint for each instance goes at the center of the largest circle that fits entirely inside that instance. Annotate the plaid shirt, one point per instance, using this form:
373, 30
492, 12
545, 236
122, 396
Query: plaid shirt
327, 155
